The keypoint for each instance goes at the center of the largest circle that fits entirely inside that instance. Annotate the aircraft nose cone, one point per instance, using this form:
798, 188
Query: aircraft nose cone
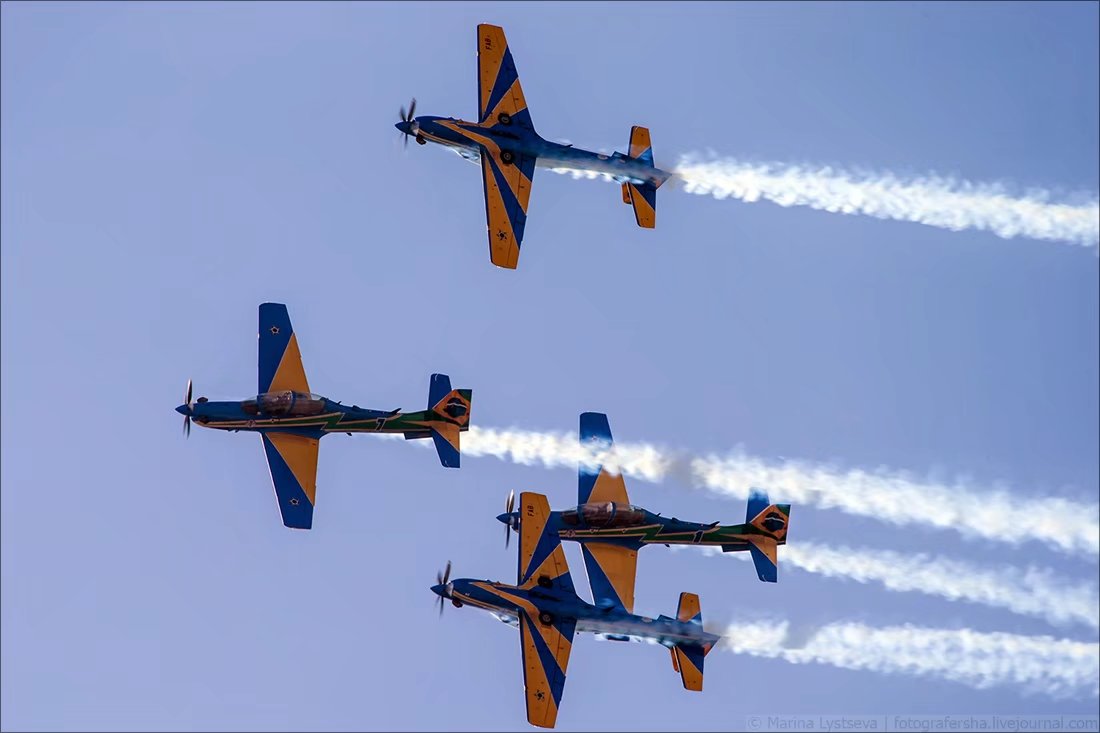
504, 518
402, 126
440, 590
183, 410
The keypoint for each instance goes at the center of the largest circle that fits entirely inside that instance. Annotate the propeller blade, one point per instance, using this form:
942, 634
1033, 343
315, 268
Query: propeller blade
405, 144
440, 606
404, 117
187, 397
509, 505
447, 573
412, 109
187, 426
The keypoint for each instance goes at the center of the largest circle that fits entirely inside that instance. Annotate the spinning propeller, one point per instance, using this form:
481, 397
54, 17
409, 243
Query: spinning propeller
442, 579
187, 417
509, 505
412, 127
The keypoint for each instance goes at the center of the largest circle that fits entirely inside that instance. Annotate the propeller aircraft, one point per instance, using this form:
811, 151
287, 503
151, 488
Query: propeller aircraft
611, 530
545, 606
504, 142
291, 420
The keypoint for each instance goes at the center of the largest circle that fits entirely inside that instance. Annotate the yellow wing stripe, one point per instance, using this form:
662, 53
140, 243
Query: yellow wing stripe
541, 708
290, 374
609, 487
534, 514
620, 565
643, 212
512, 102
689, 607
555, 640
503, 250
639, 141
689, 673
519, 183
490, 55
553, 566
449, 433
300, 454
766, 545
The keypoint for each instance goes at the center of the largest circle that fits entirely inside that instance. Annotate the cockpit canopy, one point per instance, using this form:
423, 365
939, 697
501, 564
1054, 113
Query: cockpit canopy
604, 514
285, 404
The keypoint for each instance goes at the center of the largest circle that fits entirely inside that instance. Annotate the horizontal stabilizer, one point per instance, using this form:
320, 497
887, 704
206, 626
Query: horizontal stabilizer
765, 558
418, 434
446, 444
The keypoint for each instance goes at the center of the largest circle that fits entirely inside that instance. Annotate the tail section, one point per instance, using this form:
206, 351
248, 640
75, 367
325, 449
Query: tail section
642, 196
450, 410
687, 659
771, 520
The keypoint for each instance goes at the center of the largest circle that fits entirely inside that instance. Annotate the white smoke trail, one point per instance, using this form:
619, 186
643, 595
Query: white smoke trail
897, 498
934, 200
937, 201
893, 497
1060, 668
1028, 591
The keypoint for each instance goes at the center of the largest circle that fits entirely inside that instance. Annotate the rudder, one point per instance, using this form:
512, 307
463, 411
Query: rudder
771, 520
687, 659
642, 196
450, 410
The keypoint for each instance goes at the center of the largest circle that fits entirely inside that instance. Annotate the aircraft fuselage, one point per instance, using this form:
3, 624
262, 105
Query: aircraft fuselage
505, 602
467, 139
632, 526
310, 415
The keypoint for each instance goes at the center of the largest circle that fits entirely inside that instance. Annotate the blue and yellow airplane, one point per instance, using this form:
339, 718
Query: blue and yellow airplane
548, 611
505, 142
611, 530
291, 420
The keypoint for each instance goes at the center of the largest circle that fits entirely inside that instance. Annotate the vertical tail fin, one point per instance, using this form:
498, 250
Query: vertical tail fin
687, 659
450, 410
771, 520
642, 196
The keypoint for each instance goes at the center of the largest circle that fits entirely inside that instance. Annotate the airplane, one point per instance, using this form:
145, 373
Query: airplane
548, 611
291, 420
504, 141
611, 530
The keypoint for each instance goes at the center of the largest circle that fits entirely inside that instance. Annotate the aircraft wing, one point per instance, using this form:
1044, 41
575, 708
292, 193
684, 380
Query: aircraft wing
612, 570
507, 192
280, 363
540, 552
499, 95
596, 484
293, 463
545, 650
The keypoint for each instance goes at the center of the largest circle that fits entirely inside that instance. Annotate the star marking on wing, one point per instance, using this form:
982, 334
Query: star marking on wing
540, 694
501, 235
274, 330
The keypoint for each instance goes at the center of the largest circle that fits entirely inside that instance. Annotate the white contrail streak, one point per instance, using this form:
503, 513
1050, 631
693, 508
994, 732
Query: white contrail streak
937, 201
1060, 668
1028, 591
933, 200
897, 498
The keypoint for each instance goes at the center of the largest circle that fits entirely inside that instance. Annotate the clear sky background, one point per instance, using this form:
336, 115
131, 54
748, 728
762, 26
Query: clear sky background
168, 167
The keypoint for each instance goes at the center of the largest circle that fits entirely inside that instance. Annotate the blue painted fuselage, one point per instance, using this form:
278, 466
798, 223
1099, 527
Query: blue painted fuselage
506, 601
309, 415
467, 138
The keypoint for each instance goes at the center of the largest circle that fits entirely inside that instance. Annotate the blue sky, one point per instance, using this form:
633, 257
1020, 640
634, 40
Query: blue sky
168, 167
